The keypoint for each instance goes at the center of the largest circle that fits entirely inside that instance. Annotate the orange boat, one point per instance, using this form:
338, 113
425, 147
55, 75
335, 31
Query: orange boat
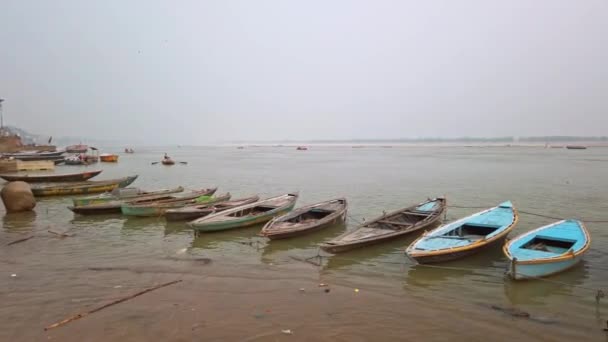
108, 158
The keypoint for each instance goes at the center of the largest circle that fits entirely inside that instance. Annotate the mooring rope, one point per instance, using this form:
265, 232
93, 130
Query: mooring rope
532, 214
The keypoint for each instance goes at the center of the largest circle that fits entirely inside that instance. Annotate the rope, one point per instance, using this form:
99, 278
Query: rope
532, 214
354, 219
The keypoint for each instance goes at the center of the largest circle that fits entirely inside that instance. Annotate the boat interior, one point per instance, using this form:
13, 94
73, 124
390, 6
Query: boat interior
311, 215
547, 244
252, 211
400, 221
471, 231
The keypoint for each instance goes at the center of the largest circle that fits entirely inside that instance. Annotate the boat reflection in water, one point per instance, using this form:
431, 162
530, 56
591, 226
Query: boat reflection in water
243, 237
487, 265
303, 246
19, 222
389, 252
537, 291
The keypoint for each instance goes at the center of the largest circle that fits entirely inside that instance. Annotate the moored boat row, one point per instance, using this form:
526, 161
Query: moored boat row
541, 252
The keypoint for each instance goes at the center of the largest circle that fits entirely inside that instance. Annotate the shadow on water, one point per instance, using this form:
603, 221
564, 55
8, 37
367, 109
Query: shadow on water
491, 262
133, 225
215, 240
83, 220
19, 221
370, 254
537, 291
298, 244
177, 228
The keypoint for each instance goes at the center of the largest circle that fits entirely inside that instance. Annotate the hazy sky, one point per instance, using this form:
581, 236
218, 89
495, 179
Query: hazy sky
192, 72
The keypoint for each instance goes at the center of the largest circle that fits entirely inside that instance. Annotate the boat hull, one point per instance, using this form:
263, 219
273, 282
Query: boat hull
291, 234
241, 222
359, 244
77, 177
80, 189
450, 256
186, 215
105, 198
521, 271
159, 209
142, 211
96, 210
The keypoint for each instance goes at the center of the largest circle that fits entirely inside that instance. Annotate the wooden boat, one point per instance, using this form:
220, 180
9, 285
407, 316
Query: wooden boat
18, 155
36, 157
246, 215
466, 236
115, 206
547, 250
73, 177
193, 212
575, 147
82, 188
306, 219
302, 148
80, 148
108, 158
124, 194
157, 208
91, 158
390, 226
167, 161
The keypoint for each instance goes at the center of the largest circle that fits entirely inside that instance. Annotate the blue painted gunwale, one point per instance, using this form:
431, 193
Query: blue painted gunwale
504, 217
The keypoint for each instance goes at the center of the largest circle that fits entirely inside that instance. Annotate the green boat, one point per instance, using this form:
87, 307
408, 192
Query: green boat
246, 215
124, 194
157, 208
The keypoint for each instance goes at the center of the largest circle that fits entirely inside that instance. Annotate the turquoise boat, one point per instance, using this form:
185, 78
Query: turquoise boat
466, 236
246, 215
547, 250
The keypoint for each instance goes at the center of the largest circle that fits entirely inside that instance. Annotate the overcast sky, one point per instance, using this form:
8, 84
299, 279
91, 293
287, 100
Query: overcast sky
201, 71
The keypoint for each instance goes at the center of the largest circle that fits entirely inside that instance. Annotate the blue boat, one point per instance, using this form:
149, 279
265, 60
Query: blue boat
466, 236
547, 250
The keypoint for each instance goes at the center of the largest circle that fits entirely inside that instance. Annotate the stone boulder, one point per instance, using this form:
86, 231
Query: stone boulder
18, 197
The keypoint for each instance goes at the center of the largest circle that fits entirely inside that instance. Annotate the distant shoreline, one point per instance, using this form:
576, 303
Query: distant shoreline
413, 145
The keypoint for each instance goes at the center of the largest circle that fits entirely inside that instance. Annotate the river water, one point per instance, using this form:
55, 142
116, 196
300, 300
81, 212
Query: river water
237, 286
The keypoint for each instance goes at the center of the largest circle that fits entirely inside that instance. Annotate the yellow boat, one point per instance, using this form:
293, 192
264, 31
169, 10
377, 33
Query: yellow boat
82, 188
108, 158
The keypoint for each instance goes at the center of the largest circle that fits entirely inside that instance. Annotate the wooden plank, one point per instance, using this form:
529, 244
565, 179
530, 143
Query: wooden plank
396, 223
8, 166
35, 165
